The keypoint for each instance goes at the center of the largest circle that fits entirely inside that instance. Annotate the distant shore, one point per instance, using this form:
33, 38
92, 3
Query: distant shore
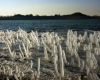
76, 15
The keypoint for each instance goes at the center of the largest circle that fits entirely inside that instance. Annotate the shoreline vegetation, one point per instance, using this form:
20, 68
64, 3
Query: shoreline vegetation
76, 15
49, 55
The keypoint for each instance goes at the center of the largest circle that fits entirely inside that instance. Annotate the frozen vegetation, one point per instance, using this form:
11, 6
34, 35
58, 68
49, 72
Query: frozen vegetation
49, 55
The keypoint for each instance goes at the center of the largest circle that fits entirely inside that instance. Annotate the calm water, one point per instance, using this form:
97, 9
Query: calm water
50, 25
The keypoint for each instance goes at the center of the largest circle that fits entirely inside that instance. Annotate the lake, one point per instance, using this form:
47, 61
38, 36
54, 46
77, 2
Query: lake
50, 25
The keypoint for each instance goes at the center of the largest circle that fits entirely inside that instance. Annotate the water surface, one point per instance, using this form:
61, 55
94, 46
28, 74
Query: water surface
50, 25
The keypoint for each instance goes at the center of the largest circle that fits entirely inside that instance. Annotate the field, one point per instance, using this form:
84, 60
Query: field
49, 55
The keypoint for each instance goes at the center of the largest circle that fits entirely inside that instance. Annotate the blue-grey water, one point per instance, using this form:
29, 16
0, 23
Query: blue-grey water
50, 25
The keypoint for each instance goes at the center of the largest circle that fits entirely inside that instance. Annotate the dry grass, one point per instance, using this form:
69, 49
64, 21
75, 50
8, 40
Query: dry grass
49, 55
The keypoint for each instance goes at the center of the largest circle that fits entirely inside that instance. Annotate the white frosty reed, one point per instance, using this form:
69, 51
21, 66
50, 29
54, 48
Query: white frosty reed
22, 52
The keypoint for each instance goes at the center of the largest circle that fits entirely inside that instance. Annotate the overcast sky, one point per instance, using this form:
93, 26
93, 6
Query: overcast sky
49, 7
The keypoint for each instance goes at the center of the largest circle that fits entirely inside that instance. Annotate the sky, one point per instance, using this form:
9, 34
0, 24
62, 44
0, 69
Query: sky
49, 7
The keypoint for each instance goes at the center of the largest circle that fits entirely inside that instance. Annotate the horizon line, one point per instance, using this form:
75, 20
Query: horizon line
46, 14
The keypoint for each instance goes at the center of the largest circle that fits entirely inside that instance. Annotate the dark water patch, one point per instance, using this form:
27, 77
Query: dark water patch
50, 25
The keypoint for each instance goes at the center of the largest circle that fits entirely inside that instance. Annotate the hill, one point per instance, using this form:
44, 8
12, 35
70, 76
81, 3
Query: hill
76, 15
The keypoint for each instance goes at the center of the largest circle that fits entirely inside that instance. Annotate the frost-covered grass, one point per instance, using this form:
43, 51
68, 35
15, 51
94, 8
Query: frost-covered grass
49, 55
